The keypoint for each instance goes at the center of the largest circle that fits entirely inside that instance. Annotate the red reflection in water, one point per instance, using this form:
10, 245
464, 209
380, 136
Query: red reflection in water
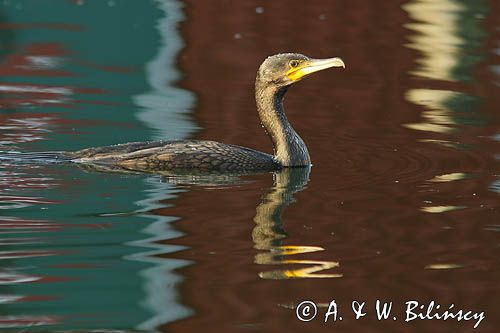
37, 298
22, 95
28, 200
8, 299
27, 254
28, 321
371, 176
21, 122
38, 59
46, 60
22, 127
7, 278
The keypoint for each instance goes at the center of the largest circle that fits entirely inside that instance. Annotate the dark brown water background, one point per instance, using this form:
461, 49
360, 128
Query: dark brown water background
402, 202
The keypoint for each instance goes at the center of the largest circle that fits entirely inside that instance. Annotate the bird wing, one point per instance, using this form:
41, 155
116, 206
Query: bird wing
185, 154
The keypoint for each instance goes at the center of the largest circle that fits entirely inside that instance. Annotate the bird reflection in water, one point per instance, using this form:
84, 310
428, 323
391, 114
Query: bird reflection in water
269, 233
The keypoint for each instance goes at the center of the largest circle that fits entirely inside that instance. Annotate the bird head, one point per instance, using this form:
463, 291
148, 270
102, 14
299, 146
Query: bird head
287, 68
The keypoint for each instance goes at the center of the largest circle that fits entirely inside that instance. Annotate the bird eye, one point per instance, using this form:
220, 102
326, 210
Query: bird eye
294, 63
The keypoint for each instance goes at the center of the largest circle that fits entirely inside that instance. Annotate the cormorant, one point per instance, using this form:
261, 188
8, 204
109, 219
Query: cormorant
274, 77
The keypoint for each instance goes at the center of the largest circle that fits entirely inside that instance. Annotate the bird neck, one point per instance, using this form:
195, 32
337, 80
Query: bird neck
289, 148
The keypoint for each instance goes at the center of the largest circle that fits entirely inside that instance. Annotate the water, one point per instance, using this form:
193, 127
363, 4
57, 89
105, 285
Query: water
401, 203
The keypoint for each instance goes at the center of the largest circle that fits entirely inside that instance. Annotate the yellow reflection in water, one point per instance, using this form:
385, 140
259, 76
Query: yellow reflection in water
450, 177
440, 209
274, 257
269, 233
438, 117
443, 266
436, 37
444, 143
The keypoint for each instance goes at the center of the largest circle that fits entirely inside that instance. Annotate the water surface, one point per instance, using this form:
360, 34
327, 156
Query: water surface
400, 204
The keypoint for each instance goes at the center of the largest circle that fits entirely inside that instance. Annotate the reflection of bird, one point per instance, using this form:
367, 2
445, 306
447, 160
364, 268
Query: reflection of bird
274, 77
269, 232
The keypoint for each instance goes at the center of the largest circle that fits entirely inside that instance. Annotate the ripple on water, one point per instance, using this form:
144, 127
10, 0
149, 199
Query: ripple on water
368, 160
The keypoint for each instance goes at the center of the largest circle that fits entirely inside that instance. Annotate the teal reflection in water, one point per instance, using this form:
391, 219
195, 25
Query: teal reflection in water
78, 260
110, 64
164, 97
81, 250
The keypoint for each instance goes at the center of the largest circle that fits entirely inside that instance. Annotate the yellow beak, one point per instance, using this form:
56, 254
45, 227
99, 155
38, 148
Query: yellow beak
313, 65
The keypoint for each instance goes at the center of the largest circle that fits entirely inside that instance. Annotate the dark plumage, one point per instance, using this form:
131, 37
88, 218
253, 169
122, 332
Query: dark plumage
274, 76
185, 154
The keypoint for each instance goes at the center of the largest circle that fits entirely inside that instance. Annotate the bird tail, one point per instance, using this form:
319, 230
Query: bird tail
38, 157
